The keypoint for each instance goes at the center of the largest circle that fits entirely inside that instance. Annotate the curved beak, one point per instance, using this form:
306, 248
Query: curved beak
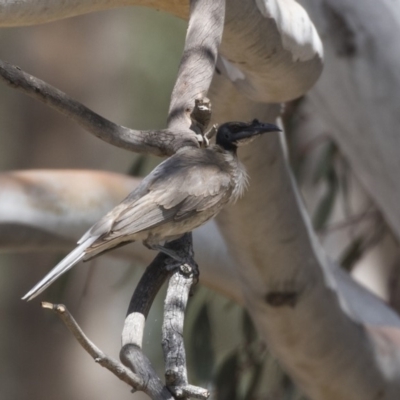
256, 128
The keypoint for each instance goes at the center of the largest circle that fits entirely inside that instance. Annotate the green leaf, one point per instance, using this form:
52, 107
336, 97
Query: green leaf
325, 207
344, 180
290, 389
256, 373
249, 331
226, 380
352, 254
325, 165
201, 346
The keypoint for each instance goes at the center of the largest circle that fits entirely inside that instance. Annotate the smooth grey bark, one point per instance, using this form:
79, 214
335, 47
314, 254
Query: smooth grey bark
270, 49
290, 288
357, 95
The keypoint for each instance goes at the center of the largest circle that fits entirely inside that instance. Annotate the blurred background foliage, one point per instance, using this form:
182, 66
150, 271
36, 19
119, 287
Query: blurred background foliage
122, 64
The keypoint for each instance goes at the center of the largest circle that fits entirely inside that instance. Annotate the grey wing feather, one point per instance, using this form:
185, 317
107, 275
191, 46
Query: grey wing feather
137, 219
105, 224
200, 188
63, 266
177, 188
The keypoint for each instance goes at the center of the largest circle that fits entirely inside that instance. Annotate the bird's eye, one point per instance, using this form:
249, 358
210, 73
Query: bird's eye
226, 136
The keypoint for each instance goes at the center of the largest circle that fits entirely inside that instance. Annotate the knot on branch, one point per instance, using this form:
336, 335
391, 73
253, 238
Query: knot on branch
201, 115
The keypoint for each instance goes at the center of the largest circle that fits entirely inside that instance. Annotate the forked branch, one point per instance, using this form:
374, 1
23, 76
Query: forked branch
182, 276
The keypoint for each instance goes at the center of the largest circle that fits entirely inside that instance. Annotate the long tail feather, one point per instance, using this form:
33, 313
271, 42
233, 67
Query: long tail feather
63, 266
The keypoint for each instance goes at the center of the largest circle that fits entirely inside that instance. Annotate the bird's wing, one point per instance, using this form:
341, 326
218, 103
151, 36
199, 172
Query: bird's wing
176, 189
198, 188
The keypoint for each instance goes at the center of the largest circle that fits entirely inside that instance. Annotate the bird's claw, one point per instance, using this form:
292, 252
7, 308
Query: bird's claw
211, 132
172, 254
203, 140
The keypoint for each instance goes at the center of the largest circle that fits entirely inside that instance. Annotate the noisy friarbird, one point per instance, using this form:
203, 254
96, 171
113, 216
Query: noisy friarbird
179, 195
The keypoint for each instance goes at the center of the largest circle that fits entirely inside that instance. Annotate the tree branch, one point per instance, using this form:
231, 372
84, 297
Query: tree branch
198, 61
179, 287
194, 78
105, 361
362, 119
131, 353
301, 304
270, 50
160, 143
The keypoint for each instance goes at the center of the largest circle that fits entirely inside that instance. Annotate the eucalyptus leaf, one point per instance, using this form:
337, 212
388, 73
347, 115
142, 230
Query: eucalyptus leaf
352, 254
226, 380
325, 207
325, 164
249, 331
256, 374
200, 342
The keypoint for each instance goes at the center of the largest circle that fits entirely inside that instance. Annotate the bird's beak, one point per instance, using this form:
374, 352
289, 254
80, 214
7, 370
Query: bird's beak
255, 128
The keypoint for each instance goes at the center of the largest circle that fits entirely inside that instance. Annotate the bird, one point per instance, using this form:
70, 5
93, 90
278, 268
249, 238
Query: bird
180, 194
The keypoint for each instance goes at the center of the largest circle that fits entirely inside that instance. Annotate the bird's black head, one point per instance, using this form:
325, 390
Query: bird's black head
233, 134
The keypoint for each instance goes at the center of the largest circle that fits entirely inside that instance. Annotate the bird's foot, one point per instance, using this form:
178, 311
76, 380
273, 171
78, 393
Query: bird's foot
168, 252
204, 139
211, 132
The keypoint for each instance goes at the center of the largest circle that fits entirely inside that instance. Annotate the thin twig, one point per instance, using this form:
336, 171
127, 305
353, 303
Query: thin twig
105, 361
158, 142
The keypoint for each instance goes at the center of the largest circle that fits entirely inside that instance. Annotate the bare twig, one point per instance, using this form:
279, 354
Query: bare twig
105, 361
194, 78
160, 143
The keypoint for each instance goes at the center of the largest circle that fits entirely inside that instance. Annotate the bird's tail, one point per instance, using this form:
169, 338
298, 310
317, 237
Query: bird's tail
63, 266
